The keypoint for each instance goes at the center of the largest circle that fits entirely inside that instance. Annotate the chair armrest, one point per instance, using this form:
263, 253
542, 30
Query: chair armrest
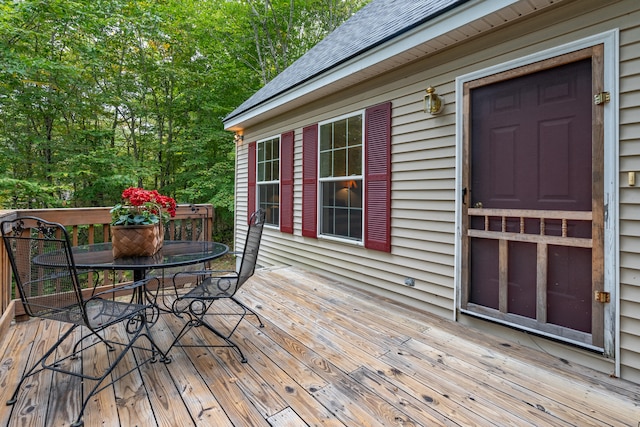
209, 273
204, 272
198, 276
96, 280
127, 287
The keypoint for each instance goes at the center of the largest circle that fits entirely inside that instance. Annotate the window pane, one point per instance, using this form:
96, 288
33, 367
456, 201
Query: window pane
327, 221
341, 222
355, 194
267, 171
341, 209
263, 193
340, 134
355, 130
355, 224
268, 160
325, 164
268, 150
325, 137
341, 192
269, 200
327, 194
340, 163
355, 161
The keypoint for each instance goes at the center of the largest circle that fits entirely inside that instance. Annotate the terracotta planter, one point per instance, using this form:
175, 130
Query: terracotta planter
136, 240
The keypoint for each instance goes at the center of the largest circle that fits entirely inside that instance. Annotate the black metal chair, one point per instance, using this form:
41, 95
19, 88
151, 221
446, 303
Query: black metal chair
211, 286
51, 287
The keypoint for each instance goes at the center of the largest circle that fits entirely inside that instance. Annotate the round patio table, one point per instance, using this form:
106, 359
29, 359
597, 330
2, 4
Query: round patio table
174, 253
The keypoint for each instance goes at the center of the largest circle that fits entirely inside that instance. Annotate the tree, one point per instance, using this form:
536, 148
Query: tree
97, 96
282, 30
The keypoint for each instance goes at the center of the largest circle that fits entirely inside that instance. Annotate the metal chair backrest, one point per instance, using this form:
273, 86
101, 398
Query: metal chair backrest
45, 274
251, 247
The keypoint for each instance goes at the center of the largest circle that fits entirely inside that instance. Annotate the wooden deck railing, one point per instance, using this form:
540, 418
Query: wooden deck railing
91, 225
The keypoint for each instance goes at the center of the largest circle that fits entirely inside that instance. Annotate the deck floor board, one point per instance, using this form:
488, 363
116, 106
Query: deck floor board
328, 355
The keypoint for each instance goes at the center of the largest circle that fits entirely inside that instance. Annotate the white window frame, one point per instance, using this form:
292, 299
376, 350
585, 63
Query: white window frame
360, 178
260, 183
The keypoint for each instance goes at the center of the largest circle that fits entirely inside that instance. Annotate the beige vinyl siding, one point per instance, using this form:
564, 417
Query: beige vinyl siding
630, 198
241, 188
423, 158
417, 228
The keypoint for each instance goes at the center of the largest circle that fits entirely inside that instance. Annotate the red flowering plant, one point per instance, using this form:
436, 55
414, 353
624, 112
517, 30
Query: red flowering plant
141, 207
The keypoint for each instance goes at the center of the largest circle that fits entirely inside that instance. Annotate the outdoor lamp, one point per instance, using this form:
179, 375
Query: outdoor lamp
432, 102
238, 137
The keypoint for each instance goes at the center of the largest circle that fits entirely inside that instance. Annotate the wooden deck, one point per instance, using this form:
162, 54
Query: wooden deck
329, 355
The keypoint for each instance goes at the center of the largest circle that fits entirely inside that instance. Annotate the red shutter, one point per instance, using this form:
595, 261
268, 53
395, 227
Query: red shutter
310, 181
251, 187
377, 226
286, 182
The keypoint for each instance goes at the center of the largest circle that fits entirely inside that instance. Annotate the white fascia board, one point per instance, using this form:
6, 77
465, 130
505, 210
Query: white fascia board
443, 24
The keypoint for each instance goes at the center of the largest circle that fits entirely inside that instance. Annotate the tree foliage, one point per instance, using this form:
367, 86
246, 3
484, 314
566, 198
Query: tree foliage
283, 30
101, 95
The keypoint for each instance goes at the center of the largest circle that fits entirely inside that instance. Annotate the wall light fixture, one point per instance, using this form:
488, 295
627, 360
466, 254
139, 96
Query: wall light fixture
433, 104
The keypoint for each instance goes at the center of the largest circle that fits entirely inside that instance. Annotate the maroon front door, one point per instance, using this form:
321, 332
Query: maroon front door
530, 205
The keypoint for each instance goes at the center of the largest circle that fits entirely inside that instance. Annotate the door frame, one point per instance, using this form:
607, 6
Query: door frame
610, 41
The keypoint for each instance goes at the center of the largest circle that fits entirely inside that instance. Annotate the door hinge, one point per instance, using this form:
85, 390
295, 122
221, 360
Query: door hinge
603, 297
602, 98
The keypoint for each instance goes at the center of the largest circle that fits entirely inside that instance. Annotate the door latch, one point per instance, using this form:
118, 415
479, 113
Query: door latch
603, 297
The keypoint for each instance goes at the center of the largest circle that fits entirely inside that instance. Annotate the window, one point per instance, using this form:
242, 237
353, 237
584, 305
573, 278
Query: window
268, 179
341, 178
376, 169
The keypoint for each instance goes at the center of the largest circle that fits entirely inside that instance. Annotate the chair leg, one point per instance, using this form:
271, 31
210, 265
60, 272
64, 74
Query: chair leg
90, 334
225, 338
246, 308
189, 324
196, 320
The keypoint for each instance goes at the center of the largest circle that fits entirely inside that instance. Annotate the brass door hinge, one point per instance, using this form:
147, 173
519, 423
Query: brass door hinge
602, 98
603, 297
